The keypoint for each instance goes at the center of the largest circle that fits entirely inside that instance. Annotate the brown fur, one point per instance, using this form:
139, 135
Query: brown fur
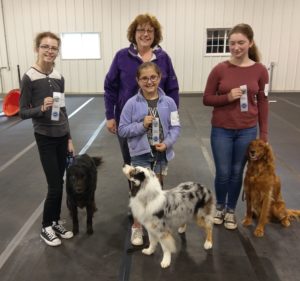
263, 189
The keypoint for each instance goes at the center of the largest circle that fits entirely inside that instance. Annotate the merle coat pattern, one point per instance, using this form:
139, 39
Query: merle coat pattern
81, 182
160, 211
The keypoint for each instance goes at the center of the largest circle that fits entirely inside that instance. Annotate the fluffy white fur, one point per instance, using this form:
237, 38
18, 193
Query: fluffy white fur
160, 211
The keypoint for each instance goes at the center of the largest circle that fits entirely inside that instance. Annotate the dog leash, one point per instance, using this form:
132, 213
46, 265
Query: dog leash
70, 160
243, 195
157, 154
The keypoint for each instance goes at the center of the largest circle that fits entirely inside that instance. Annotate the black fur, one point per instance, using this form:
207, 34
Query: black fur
159, 214
81, 183
135, 187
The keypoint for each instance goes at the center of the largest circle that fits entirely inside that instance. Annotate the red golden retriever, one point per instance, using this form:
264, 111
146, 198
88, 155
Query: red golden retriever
263, 189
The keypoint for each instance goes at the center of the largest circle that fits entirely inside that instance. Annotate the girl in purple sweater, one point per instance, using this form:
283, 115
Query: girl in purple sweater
150, 123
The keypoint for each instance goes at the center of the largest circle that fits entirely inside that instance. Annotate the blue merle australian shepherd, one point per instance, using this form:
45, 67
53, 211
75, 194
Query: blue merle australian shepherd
160, 211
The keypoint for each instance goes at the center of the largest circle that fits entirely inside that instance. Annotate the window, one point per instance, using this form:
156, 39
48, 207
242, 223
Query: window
84, 45
217, 41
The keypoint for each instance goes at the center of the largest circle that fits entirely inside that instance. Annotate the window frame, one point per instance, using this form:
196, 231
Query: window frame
213, 38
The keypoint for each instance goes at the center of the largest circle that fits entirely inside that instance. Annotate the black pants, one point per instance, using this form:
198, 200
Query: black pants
53, 153
125, 153
125, 150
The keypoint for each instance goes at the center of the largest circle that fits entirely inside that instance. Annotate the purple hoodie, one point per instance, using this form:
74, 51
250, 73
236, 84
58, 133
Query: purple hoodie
120, 82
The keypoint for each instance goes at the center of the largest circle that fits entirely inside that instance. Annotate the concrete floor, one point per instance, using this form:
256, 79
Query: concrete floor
236, 255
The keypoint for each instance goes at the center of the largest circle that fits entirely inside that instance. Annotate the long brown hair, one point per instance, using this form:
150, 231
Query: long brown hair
247, 30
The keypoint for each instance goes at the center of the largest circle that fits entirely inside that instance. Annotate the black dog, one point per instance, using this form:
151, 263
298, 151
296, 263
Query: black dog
81, 182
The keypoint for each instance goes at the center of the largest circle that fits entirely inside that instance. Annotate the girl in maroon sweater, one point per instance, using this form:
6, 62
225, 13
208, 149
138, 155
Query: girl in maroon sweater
238, 90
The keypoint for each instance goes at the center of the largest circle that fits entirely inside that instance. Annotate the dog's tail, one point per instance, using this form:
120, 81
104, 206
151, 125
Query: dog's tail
97, 160
293, 214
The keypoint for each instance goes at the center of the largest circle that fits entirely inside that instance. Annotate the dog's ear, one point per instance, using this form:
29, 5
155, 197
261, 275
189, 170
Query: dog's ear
140, 175
269, 156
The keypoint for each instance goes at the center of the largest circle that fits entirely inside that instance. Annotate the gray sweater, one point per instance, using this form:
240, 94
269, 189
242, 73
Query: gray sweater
35, 86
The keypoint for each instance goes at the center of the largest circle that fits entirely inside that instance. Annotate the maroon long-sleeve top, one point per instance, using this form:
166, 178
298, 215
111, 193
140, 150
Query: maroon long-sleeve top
226, 76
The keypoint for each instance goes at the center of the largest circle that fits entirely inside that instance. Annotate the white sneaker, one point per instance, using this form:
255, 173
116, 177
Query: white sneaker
137, 236
49, 236
219, 217
182, 229
230, 221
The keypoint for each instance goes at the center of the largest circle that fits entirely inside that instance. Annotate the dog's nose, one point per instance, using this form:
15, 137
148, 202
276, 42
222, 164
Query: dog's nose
252, 152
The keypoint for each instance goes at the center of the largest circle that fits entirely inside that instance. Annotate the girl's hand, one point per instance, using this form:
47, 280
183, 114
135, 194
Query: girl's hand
161, 147
71, 148
234, 94
48, 102
148, 121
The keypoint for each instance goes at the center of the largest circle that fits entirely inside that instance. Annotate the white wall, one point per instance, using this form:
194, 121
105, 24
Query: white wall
275, 23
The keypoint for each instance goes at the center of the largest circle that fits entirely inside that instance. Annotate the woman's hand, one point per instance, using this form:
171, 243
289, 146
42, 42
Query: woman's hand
161, 147
235, 94
111, 126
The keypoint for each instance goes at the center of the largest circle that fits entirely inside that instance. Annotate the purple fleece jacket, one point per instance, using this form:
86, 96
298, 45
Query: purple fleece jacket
120, 82
132, 125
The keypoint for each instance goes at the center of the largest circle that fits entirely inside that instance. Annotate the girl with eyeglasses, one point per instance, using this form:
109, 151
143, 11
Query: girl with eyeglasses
150, 123
40, 84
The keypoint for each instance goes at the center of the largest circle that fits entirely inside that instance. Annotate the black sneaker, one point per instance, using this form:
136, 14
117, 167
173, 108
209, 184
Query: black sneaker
49, 236
61, 231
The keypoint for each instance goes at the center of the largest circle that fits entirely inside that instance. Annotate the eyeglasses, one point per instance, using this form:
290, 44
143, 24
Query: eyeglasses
49, 48
152, 78
143, 31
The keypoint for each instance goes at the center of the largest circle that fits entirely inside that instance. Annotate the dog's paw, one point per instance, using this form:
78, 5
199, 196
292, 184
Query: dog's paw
285, 222
165, 262
247, 221
259, 232
182, 229
148, 251
208, 245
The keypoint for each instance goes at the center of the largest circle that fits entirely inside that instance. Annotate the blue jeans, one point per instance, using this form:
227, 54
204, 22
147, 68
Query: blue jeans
158, 162
229, 148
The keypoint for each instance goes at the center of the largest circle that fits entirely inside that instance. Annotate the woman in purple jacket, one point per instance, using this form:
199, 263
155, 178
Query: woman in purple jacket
144, 34
150, 122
